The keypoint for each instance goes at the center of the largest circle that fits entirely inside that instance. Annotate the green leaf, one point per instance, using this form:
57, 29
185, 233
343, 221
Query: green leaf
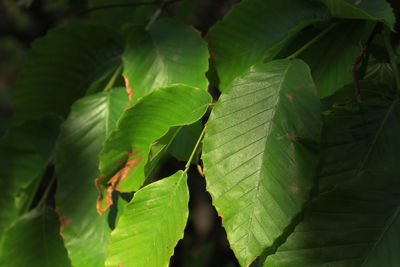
378, 10
259, 159
353, 218
184, 142
62, 65
126, 151
92, 118
34, 240
159, 148
167, 53
25, 151
115, 17
331, 58
255, 30
151, 224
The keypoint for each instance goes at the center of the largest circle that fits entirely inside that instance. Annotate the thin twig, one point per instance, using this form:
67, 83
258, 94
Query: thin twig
359, 58
354, 72
153, 3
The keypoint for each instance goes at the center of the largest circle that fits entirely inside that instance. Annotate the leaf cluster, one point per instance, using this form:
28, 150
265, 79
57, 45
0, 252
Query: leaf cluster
299, 153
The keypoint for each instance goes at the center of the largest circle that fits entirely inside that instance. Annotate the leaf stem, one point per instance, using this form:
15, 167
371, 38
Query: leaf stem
312, 41
154, 17
46, 192
392, 56
111, 82
195, 149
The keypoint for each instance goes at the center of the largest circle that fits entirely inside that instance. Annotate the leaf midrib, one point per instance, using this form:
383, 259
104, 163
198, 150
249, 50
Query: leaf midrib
263, 153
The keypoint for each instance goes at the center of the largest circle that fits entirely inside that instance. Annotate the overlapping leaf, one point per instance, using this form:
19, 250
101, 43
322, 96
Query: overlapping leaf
34, 240
151, 224
165, 54
61, 67
115, 17
126, 151
353, 221
378, 10
331, 58
25, 152
255, 30
92, 118
258, 161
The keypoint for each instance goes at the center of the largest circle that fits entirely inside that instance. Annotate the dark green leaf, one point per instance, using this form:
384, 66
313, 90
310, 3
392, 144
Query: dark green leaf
255, 30
62, 65
353, 218
25, 152
151, 224
331, 58
259, 159
184, 142
378, 10
118, 16
92, 118
34, 240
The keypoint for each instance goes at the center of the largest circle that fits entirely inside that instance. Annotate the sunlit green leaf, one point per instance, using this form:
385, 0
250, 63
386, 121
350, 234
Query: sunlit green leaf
151, 224
126, 151
259, 160
167, 53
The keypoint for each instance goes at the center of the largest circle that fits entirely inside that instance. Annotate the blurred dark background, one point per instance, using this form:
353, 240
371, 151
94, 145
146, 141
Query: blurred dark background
22, 21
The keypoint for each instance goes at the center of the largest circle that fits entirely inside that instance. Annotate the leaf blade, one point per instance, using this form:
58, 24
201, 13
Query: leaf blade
260, 176
143, 124
165, 54
151, 224
236, 44
36, 235
92, 118
358, 194
61, 67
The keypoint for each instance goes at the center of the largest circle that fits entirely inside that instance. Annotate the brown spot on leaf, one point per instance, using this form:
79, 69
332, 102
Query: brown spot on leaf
146, 206
64, 222
294, 188
127, 88
291, 137
115, 180
128, 108
120, 265
289, 97
222, 216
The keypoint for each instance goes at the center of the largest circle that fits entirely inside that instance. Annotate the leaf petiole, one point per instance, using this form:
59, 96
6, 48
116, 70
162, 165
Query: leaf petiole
113, 78
195, 149
312, 41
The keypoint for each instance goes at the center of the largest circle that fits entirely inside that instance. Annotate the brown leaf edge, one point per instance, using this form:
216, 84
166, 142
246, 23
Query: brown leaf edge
112, 184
